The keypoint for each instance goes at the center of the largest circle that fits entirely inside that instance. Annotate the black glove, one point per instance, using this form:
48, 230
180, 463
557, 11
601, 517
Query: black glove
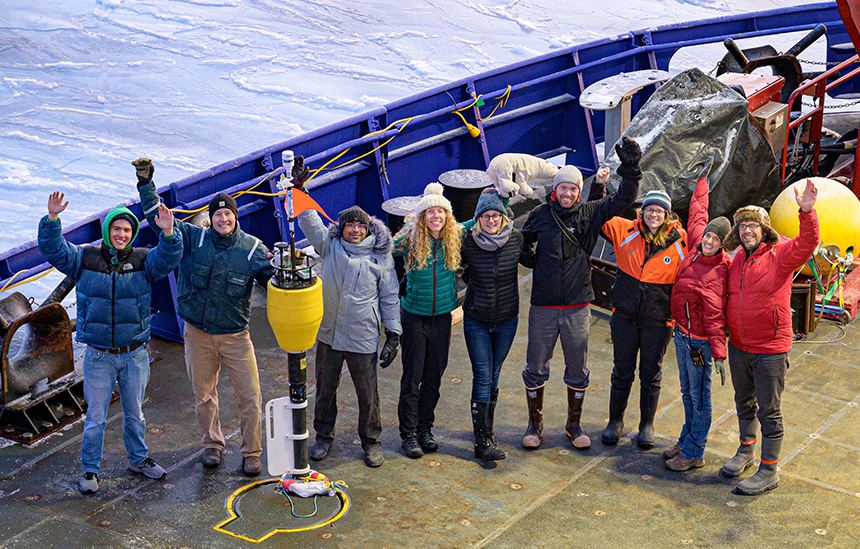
145, 169
299, 173
720, 366
706, 169
389, 350
629, 154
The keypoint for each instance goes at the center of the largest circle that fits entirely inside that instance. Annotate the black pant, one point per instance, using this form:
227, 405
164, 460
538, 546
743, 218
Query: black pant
362, 368
758, 381
426, 340
631, 338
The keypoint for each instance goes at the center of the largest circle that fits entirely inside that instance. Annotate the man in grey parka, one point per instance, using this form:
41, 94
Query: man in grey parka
360, 292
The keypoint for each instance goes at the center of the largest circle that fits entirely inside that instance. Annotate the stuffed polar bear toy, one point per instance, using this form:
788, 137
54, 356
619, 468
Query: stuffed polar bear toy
510, 173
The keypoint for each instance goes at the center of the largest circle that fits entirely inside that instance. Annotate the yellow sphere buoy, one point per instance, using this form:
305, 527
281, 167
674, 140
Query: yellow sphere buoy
838, 215
295, 315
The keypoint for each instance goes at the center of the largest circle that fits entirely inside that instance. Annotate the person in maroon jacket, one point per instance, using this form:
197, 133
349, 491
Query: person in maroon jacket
699, 309
760, 332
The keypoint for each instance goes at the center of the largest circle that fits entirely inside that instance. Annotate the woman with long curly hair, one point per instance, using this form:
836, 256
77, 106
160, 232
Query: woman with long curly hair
430, 240
648, 250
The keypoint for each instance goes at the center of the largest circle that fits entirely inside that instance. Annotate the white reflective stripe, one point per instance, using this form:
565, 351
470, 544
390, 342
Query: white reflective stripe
680, 249
629, 238
152, 209
202, 236
256, 244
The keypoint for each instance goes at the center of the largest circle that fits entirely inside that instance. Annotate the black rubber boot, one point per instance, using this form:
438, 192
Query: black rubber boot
767, 476
485, 442
534, 398
617, 405
648, 400
494, 398
573, 428
745, 456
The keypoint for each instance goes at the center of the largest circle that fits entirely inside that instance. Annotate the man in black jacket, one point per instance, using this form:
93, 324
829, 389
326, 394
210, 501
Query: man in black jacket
558, 239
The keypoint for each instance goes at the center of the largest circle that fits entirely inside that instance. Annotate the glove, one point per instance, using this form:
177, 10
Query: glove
720, 366
389, 350
629, 154
299, 173
706, 169
145, 169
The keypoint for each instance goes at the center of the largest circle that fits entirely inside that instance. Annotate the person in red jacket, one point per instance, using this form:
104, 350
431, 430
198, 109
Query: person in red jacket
760, 332
699, 309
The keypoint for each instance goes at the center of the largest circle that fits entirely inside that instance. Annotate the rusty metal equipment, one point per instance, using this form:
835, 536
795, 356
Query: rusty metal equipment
40, 390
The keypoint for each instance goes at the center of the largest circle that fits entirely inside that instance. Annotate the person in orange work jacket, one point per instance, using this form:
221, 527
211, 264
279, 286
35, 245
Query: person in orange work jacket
648, 250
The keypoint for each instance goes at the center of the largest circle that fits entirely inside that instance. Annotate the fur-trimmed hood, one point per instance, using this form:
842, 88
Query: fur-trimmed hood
383, 242
751, 213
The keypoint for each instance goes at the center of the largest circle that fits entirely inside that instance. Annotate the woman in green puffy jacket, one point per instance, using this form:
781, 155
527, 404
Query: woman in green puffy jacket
430, 240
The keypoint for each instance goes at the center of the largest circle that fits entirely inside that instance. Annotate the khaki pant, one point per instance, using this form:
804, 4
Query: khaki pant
202, 351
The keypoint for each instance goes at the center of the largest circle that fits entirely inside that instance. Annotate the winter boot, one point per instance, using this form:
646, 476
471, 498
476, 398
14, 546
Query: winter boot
534, 397
745, 455
577, 436
648, 399
767, 476
617, 405
485, 442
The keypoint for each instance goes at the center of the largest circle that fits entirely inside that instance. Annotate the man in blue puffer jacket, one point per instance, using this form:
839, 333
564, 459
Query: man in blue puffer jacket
216, 275
113, 296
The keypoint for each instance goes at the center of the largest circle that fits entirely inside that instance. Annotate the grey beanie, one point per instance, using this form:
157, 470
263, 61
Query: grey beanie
567, 174
720, 226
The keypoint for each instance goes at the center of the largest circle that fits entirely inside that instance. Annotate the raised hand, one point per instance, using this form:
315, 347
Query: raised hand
806, 201
144, 169
56, 204
299, 173
164, 220
602, 175
706, 169
629, 154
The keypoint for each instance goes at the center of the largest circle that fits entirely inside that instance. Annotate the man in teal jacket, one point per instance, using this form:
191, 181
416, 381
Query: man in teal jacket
113, 290
216, 275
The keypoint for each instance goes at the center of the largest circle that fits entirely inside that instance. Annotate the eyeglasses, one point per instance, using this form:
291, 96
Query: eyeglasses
654, 211
351, 225
748, 227
491, 217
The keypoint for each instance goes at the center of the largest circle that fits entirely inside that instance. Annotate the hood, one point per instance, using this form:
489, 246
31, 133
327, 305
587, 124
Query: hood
113, 214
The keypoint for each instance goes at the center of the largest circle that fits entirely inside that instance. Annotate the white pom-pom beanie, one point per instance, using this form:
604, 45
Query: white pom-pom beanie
432, 197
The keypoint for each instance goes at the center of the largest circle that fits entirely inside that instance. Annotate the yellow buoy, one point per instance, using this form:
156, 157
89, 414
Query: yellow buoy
838, 215
295, 315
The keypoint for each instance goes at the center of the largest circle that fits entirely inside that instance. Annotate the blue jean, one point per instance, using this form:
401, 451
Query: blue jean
488, 345
696, 395
101, 372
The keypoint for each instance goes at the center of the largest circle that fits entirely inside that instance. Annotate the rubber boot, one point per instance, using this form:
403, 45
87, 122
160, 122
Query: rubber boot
767, 476
745, 456
577, 436
534, 398
494, 398
617, 405
485, 442
648, 399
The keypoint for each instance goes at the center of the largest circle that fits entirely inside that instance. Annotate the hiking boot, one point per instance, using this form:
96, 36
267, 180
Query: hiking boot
251, 466
669, 453
89, 483
617, 404
427, 442
534, 399
680, 463
211, 457
149, 468
767, 476
373, 456
320, 449
648, 400
573, 428
411, 447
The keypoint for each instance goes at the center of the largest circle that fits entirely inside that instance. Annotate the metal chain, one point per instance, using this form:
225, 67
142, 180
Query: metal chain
831, 107
828, 63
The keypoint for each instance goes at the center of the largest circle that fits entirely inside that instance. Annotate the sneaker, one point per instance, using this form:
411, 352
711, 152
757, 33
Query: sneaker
373, 456
211, 457
320, 449
251, 466
669, 453
149, 468
427, 442
411, 447
89, 483
680, 463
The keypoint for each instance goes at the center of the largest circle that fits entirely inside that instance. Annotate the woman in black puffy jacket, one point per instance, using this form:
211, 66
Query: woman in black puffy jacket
490, 252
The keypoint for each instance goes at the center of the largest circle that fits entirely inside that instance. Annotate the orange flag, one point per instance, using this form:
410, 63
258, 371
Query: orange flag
303, 202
